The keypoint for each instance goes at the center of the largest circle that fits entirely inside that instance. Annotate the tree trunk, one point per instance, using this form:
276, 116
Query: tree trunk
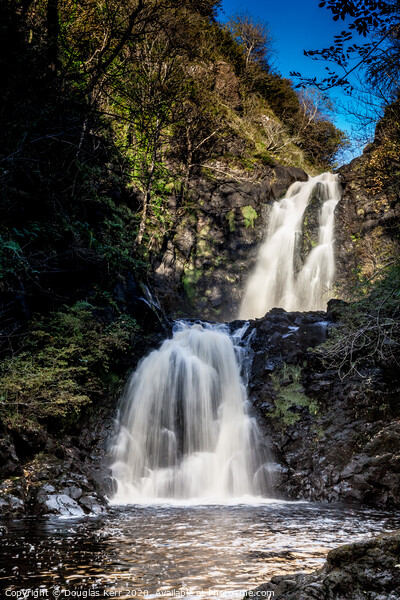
143, 217
53, 31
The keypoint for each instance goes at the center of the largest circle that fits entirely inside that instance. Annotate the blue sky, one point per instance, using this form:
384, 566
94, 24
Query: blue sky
296, 25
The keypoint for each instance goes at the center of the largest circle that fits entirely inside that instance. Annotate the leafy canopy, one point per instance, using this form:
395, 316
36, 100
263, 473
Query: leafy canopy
378, 57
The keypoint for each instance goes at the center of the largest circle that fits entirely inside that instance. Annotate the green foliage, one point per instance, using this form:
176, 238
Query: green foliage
322, 141
106, 121
12, 260
249, 214
378, 56
66, 362
104, 146
382, 168
230, 217
265, 158
253, 37
290, 395
189, 281
280, 95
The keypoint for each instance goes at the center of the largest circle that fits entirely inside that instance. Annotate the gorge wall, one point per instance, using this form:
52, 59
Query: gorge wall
367, 225
74, 319
203, 269
333, 439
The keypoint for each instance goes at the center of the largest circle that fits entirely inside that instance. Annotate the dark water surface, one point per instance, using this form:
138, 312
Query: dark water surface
178, 551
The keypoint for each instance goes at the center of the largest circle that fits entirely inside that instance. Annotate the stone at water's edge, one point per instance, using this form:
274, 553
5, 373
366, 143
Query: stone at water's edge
358, 571
65, 485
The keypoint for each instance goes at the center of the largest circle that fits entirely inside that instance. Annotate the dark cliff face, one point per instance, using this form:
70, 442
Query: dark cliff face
333, 440
367, 227
203, 269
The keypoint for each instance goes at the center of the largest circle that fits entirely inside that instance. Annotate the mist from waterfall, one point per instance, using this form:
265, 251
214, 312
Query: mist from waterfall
184, 428
279, 279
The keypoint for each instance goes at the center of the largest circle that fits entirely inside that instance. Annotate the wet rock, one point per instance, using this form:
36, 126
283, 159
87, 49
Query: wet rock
12, 497
386, 440
367, 569
46, 489
29, 442
335, 309
311, 219
325, 434
73, 491
57, 484
72, 495
135, 299
92, 505
62, 505
9, 461
284, 177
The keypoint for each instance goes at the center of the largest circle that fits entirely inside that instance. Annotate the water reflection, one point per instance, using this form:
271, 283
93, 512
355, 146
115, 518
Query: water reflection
198, 551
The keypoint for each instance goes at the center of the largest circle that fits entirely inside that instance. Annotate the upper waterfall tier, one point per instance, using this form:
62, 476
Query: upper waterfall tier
184, 430
285, 274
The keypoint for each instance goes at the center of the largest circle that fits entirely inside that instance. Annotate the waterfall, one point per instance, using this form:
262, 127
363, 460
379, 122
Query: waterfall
280, 277
184, 429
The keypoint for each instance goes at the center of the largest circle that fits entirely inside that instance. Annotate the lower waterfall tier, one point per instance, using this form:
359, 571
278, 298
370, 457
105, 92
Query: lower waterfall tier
184, 429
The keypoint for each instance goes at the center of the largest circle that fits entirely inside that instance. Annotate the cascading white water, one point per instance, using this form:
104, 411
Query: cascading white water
184, 430
276, 280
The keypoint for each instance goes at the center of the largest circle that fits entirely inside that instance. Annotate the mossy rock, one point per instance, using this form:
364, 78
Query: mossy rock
250, 215
290, 398
311, 219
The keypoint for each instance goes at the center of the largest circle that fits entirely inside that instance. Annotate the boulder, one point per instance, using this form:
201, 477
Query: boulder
368, 569
62, 505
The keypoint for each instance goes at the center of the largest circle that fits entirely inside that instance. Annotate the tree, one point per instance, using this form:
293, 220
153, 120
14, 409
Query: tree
153, 98
316, 134
378, 58
53, 31
254, 36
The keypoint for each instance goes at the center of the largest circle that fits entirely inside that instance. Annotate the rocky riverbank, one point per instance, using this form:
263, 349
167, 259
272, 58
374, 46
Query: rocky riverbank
365, 570
332, 439
48, 475
335, 440
59, 464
